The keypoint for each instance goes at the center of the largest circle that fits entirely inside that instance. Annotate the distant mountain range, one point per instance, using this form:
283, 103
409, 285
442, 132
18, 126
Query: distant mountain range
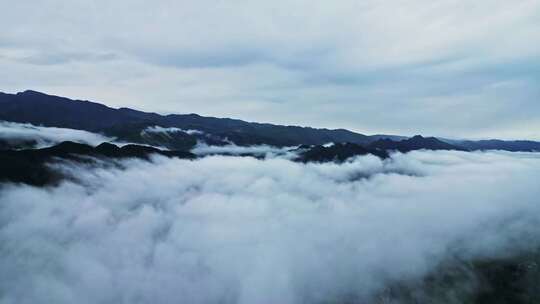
183, 131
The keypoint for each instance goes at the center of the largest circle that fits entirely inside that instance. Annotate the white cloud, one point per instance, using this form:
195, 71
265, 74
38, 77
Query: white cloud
265, 151
241, 230
159, 129
29, 135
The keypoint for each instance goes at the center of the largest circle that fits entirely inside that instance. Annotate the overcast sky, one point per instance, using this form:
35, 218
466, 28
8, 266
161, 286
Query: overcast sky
447, 68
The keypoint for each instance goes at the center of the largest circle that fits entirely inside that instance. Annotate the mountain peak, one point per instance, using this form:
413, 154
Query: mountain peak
30, 92
416, 142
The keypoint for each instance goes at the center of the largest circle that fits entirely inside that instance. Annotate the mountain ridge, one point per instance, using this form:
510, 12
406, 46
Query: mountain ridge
130, 124
31, 166
55, 111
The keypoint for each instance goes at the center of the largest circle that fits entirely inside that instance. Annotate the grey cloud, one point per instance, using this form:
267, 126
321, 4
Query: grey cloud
52, 58
202, 58
242, 230
358, 61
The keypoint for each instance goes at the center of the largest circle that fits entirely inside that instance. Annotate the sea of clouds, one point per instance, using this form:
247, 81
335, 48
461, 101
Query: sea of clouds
225, 229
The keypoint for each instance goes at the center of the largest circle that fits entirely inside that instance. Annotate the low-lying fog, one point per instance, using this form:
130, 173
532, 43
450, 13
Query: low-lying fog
30, 136
224, 229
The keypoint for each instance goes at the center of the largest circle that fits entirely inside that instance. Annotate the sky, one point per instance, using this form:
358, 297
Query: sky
446, 68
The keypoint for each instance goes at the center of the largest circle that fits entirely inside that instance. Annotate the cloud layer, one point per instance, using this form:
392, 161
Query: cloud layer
30, 136
241, 230
264, 151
